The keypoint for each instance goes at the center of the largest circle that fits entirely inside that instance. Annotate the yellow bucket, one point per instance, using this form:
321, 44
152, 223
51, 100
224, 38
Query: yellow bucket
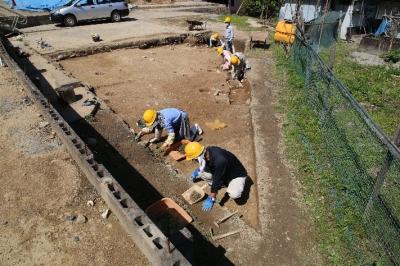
285, 32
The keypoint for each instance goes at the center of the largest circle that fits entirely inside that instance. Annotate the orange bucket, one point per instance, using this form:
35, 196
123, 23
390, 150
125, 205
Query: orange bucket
168, 216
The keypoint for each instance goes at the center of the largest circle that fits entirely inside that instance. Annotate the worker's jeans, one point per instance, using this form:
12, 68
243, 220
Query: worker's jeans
235, 187
229, 46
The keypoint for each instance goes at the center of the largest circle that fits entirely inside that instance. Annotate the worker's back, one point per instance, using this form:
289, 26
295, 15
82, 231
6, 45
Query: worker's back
233, 167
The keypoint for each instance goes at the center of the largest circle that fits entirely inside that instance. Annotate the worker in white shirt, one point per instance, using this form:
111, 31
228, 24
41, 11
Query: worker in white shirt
229, 35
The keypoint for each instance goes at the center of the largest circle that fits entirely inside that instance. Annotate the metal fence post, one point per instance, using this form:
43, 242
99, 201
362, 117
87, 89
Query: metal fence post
381, 176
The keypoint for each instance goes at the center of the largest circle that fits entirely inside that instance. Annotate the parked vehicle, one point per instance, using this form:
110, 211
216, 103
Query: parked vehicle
84, 10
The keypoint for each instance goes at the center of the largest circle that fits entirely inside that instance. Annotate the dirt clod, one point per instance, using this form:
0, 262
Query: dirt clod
70, 218
105, 214
81, 219
52, 135
43, 124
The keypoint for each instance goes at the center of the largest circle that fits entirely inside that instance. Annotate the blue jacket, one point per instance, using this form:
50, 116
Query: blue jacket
172, 118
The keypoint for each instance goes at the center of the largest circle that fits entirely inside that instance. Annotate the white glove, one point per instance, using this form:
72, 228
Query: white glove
157, 135
145, 130
170, 140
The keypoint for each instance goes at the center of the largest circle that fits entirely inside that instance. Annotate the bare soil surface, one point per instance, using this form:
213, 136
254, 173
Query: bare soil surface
157, 2
288, 231
40, 187
147, 179
139, 25
130, 81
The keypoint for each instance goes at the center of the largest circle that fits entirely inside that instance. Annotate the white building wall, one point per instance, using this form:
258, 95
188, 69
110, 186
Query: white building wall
309, 11
353, 16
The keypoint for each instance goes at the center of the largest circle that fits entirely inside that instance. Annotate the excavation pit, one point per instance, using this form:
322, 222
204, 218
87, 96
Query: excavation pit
132, 80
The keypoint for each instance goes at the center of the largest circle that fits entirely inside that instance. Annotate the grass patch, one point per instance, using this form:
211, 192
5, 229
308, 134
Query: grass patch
393, 56
301, 131
239, 22
375, 87
335, 165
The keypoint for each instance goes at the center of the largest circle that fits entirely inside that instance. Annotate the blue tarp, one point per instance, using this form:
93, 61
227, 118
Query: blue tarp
385, 25
37, 5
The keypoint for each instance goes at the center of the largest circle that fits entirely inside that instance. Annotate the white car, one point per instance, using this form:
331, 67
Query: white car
83, 10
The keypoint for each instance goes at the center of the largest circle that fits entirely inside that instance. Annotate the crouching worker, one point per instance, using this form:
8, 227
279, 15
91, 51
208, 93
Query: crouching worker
214, 40
239, 66
226, 57
174, 120
219, 168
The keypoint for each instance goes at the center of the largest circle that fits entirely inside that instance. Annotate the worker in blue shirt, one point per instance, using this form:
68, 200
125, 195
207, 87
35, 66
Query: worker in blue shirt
229, 35
219, 168
174, 120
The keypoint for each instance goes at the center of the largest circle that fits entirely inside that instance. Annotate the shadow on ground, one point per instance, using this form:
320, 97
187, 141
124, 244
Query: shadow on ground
140, 190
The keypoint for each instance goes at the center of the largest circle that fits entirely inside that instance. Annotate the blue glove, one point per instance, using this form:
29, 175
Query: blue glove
195, 174
208, 204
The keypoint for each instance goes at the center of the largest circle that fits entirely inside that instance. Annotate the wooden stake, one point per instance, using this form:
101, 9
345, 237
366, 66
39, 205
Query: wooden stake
223, 219
218, 237
380, 179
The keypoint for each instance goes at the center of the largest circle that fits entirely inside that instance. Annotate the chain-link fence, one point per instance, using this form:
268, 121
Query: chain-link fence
359, 165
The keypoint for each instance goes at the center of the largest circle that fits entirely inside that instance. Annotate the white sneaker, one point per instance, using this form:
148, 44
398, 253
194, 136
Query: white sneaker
198, 128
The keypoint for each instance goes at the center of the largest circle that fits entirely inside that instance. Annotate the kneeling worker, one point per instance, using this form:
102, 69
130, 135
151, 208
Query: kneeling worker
174, 120
239, 66
226, 58
219, 168
214, 40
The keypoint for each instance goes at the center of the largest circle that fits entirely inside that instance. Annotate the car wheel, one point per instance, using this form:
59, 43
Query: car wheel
69, 21
115, 16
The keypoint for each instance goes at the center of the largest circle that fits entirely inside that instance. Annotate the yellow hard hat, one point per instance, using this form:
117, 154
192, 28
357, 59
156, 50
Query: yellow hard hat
227, 20
149, 116
215, 36
193, 150
220, 49
235, 60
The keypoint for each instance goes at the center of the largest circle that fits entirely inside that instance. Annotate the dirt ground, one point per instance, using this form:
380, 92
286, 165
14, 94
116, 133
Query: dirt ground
130, 81
289, 233
141, 23
41, 186
152, 2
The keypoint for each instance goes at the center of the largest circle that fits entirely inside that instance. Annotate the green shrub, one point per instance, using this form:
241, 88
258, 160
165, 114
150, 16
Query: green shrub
392, 56
261, 8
